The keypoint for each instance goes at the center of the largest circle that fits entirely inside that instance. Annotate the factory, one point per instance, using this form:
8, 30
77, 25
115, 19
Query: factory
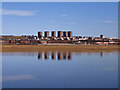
53, 34
58, 38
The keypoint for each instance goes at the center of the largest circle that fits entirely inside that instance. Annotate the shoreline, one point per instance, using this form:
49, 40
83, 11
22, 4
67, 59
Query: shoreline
70, 48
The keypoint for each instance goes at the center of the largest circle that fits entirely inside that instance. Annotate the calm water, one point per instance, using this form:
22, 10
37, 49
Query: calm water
60, 70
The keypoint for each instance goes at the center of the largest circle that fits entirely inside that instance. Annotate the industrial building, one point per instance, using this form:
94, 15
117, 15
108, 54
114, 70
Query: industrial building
64, 34
101, 36
46, 34
53, 33
61, 38
39, 34
60, 33
69, 33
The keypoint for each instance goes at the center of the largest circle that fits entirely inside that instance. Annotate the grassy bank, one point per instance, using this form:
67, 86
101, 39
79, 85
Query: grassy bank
72, 48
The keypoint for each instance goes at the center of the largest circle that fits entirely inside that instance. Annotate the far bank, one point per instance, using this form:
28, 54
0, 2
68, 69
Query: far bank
72, 48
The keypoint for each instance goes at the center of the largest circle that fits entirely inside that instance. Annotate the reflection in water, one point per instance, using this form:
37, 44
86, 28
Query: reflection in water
40, 55
54, 55
64, 55
59, 55
70, 55
102, 54
46, 55
62, 71
92, 53
18, 77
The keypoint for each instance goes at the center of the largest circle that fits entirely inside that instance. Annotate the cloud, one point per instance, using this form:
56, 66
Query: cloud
51, 21
71, 23
18, 12
108, 21
105, 21
19, 77
64, 15
109, 69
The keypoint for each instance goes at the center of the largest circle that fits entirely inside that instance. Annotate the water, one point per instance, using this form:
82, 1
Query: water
60, 70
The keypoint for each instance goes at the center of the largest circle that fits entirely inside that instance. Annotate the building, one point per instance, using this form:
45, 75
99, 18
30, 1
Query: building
33, 37
25, 42
39, 34
46, 34
69, 33
64, 34
60, 33
53, 33
43, 42
101, 36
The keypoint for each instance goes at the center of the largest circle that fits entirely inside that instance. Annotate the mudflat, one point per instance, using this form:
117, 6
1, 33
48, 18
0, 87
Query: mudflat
72, 48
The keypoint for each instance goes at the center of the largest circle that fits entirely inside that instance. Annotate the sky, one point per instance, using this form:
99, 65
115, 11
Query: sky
60, 0
82, 18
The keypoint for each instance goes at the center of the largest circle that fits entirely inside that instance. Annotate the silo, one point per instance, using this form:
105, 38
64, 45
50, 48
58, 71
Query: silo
65, 34
60, 33
101, 36
39, 34
46, 34
53, 33
69, 33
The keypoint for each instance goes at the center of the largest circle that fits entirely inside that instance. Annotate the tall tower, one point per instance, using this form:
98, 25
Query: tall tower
69, 33
60, 33
64, 34
46, 34
39, 34
101, 36
53, 33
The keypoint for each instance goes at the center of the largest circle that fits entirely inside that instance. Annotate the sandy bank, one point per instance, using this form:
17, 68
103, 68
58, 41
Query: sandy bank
72, 48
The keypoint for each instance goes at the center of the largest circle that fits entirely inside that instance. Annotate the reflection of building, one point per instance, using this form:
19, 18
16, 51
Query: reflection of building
46, 33
46, 55
102, 54
60, 55
53, 55
39, 55
64, 55
70, 55
53, 33
60, 33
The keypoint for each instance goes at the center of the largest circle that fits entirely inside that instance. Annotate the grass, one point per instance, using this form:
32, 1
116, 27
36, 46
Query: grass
71, 48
